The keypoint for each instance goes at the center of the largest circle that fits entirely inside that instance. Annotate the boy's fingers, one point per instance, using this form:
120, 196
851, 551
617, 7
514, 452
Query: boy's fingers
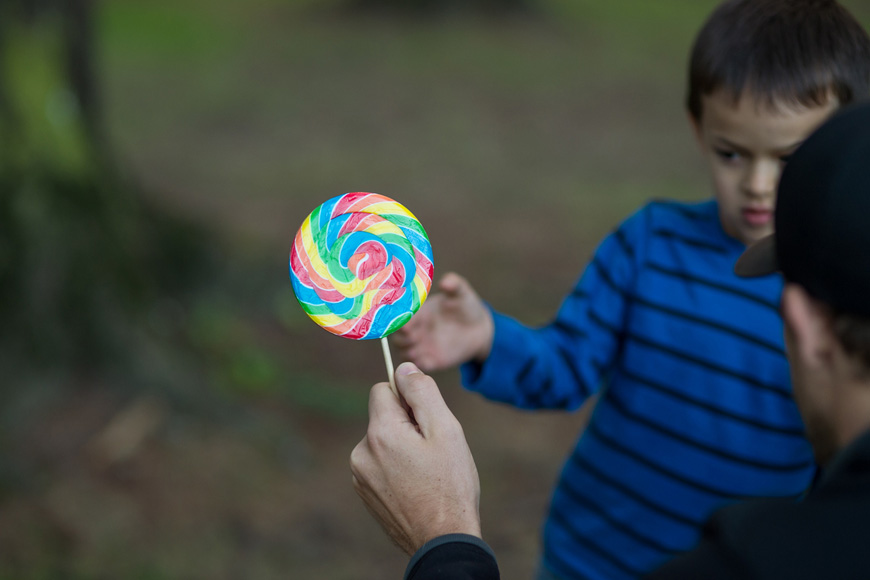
452, 284
422, 359
401, 338
421, 321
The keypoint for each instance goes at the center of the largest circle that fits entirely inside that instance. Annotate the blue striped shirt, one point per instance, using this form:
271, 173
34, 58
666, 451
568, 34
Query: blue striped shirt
695, 408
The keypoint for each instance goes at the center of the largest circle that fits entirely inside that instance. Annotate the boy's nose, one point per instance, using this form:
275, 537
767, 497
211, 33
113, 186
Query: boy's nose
762, 177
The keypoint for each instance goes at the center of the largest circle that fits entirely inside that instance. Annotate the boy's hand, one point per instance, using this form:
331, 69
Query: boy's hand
452, 327
413, 469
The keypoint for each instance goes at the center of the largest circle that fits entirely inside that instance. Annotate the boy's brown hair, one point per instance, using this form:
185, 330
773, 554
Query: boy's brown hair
794, 51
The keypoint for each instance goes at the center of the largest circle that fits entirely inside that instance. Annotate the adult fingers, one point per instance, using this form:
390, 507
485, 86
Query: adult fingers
359, 460
385, 409
422, 396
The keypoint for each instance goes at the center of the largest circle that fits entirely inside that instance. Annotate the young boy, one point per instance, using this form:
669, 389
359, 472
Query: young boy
695, 406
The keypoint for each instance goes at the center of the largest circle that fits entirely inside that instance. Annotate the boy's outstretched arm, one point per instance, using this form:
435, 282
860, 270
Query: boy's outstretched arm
452, 327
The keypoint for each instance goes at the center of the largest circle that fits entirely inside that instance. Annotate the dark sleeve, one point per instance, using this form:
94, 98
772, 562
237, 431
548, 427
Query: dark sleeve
453, 557
705, 561
717, 556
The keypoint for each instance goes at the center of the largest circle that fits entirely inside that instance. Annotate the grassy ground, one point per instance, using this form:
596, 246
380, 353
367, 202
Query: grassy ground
518, 143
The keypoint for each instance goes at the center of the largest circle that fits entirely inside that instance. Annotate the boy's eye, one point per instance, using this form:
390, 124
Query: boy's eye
727, 155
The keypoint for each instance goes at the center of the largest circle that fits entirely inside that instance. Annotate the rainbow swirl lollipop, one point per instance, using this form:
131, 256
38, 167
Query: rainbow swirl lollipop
361, 265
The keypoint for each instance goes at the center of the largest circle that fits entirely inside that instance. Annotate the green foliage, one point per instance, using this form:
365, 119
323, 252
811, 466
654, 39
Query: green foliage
42, 125
160, 30
429, 7
239, 366
243, 369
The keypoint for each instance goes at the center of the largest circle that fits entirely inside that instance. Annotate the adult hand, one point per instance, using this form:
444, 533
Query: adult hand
413, 469
452, 327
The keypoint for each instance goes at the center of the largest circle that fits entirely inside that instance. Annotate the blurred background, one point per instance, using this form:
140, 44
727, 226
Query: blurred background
167, 410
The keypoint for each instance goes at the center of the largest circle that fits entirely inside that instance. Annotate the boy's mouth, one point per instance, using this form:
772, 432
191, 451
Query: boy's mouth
757, 216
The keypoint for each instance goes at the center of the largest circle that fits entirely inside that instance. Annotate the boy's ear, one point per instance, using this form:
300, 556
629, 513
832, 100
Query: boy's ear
809, 325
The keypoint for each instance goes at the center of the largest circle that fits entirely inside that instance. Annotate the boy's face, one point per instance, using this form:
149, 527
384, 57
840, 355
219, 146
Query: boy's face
746, 146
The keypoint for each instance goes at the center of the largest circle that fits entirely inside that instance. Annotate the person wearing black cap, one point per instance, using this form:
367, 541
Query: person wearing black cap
416, 475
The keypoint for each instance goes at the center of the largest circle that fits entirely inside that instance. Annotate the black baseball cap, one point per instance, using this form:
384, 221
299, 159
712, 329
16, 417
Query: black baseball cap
822, 216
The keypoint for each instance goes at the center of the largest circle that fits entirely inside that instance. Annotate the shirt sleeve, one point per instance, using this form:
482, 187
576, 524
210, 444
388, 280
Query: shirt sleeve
560, 365
453, 557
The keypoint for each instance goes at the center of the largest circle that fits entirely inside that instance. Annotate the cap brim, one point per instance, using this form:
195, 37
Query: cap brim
759, 259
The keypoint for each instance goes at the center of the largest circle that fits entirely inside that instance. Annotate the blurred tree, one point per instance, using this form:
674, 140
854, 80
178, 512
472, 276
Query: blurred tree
83, 256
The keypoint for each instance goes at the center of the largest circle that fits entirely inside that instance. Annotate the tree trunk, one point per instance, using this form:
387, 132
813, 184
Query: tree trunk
82, 255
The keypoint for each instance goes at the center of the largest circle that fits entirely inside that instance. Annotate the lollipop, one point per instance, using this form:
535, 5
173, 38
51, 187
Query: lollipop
361, 266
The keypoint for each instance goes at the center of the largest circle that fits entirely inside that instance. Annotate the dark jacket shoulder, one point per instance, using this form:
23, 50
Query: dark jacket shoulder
824, 536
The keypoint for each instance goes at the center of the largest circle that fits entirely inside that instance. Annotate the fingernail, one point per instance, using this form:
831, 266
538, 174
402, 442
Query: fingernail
407, 368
